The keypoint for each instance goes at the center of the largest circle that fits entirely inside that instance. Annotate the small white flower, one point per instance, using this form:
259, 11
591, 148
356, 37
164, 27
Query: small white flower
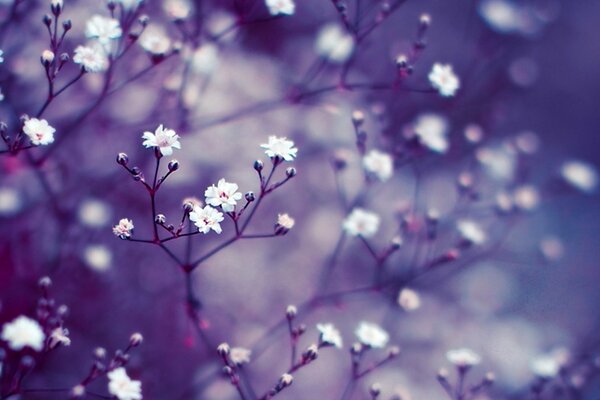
39, 131
122, 386
277, 7
225, 195
431, 130
581, 175
328, 334
471, 232
379, 164
162, 138
123, 229
98, 257
103, 29
91, 58
280, 147
409, 299
285, 221
206, 218
361, 222
239, 355
372, 335
526, 197
463, 358
59, 336
23, 332
443, 78
334, 43
155, 40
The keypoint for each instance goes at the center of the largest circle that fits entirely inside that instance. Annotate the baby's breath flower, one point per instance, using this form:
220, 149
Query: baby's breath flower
225, 195
361, 222
502, 16
177, 9
23, 332
39, 131
91, 58
471, 232
334, 43
443, 78
155, 40
409, 299
59, 336
379, 164
431, 130
526, 197
580, 175
372, 335
124, 228
463, 357
277, 7
122, 386
280, 147
284, 223
162, 138
329, 335
239, 355
205, 59
103, 29
207, 218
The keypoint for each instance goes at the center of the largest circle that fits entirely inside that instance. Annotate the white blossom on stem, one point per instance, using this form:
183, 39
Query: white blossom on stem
361, 222
444, 80
39, 131
23, 332
123, 229
122, 386
164, 139
207, 218
224, 195
280, 147
372, 335
277, 7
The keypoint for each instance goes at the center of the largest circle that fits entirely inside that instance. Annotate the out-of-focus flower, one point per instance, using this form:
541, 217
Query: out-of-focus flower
463, 357
10, 201
98, 257
224, 194
91, 58
205, 59
207, 218
23, 332
103, 29
548, 365
122, 386
329, 335
580, 175
124, 228
94, 213
277, 7
526, 197
59, 336
471, 231
162, 138
431, 130
552, 248
240, 355
379, 164
285, 221
361, 222
39, 131
499, 162
372, 335
409, 299
280, 147
334, 43
177, 9
129, 4
443, 78
1, 56
155, 40
503, 16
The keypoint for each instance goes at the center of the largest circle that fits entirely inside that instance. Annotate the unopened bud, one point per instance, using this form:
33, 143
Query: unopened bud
173, 165
122, 159
250, 197
358, 118
291, 311
258, 165
160, 219
223, 349
45, 282
47, 57
290, 172
67, 25
144, 20
136, 339
375, 390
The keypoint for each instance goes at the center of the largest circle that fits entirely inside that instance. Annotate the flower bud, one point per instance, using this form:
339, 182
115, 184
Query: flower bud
290, 172
136, 339
67, 25
45, 282
160, 219
250, 197
47, 57
173, 165
47, 20
223, 349
258, 165
291, 312
358, 118
122, 159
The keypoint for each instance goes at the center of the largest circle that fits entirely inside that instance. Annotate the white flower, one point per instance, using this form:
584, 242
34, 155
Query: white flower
361, 222
334, 43
98, 257
23, 332
39, 131
277, 7
463, 357
155, 40
379, 164
372, 335
548, 365
581, 175
56, 3
409, 299
328, 334
443, 78
225, 194
280, 147
103, 29
285, 221
94, 213
502, 16
431, 129
500, 162
206, 218
163, 138
59, 336
91, 58
239, 355
526, 197
471, 231
122, 386
124, 228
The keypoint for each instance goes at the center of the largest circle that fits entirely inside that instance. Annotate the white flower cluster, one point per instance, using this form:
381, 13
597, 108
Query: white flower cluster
39, 131
23, 332
122, 386
102, 32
